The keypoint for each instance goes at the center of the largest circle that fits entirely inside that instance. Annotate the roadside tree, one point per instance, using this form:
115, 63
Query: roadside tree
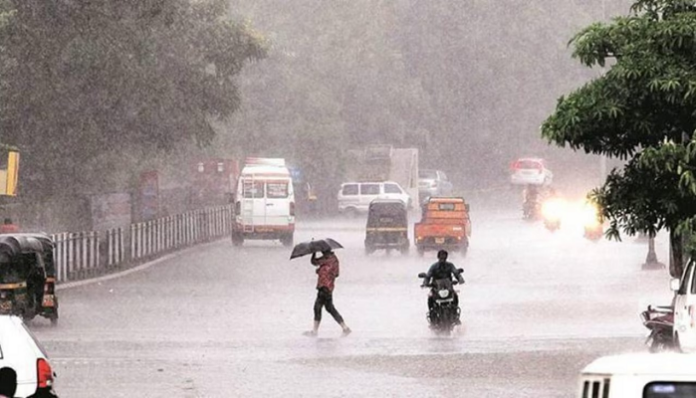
641, 110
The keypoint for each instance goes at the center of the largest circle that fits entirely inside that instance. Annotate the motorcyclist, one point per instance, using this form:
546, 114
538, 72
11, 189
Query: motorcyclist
442, 269
531, 200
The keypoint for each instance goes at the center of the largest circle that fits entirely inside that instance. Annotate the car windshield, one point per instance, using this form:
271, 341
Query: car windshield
427, 174
670, 390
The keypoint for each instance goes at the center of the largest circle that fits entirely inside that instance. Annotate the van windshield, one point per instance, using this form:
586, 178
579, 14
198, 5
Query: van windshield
670, 390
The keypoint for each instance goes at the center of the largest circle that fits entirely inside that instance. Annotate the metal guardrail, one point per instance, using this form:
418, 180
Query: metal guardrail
82, 255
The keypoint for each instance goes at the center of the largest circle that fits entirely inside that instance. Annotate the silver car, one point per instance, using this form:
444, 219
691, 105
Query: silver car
433, 183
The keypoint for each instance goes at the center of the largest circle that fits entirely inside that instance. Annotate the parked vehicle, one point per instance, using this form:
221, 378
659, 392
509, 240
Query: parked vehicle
685, 309
660, 321
387, 226
445, 224
265, 202
23, 353
445, 312
27, 276
433, 183
355, 197
530, 171
644, 375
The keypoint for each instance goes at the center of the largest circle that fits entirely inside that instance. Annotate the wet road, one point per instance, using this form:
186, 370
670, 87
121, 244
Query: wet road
221, 321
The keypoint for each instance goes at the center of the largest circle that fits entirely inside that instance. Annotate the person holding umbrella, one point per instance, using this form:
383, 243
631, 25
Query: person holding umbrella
327, 272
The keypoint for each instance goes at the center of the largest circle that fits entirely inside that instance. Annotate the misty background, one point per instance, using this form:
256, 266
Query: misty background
467, 83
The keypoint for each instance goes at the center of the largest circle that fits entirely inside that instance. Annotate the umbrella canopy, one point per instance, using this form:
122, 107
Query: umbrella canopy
321, 245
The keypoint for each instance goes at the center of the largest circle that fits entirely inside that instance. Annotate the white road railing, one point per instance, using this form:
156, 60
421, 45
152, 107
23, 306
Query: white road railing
84, 255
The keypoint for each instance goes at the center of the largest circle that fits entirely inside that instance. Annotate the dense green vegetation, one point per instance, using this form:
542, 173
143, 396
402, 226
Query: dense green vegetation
642, 110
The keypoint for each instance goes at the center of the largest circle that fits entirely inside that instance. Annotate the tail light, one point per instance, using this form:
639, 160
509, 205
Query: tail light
292, 209
692, 314
44, 373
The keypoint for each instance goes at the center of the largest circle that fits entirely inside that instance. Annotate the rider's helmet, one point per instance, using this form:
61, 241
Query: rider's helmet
442, 255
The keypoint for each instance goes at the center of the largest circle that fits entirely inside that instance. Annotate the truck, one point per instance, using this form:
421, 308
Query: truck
264, 202
445, 224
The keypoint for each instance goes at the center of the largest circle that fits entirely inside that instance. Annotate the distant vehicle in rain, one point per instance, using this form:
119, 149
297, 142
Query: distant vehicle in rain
530, 171
433, 183
355, 197
387, 226
445, 224
23, 353
646, 375
264, 202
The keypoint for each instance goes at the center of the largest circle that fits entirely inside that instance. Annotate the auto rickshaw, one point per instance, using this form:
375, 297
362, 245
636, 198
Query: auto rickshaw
387, 226
27, 276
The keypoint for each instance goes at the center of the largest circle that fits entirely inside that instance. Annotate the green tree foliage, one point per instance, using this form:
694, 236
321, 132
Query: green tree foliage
641, 109
86, 81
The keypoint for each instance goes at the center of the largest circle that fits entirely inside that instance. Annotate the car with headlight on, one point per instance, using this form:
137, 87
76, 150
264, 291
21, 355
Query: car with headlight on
21, 351
530, 171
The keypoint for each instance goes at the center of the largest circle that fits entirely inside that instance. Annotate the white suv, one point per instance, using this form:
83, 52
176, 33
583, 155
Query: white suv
530, 171
355, 197
23, 353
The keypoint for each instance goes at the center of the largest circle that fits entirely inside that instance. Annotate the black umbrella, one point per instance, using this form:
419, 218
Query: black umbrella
321, 245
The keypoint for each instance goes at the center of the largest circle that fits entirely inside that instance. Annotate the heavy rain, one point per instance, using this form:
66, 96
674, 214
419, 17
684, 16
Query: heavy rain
256, 198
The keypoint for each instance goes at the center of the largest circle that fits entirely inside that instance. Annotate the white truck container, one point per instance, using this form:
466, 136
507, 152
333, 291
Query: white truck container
264, 202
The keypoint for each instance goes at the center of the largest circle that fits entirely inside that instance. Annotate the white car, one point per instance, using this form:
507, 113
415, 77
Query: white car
355, 197
530, 171
23, 353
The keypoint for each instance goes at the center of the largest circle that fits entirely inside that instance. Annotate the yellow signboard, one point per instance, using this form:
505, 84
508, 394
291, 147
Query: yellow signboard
9, 171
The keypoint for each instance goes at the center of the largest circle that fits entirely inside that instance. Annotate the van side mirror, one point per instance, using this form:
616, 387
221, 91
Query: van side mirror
468, 208
674, 284
460, 270
422, 275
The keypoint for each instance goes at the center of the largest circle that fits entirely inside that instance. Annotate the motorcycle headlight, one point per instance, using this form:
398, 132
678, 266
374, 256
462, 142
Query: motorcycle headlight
444, 293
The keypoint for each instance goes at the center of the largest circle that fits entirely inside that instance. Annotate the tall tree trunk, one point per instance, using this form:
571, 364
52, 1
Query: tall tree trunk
651, 261
676, 254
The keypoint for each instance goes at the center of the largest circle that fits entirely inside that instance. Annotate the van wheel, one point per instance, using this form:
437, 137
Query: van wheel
287, 241
421, 251
676, 345
369, 250
352, 212
237, 239
404, 250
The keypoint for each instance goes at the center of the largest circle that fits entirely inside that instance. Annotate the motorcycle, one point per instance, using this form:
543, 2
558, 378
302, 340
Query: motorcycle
531, 210
444, 313
660, 321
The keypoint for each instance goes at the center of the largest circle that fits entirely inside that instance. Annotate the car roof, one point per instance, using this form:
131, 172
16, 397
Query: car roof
387, 201
275, 171
668, 363
370, 182
19, 349
446, 199
531, 159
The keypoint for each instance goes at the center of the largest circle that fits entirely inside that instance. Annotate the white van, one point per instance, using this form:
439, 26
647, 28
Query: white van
264, 202
644, 375
355, 197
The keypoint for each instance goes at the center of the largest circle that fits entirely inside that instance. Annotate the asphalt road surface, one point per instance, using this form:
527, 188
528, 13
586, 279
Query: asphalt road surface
220, 321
